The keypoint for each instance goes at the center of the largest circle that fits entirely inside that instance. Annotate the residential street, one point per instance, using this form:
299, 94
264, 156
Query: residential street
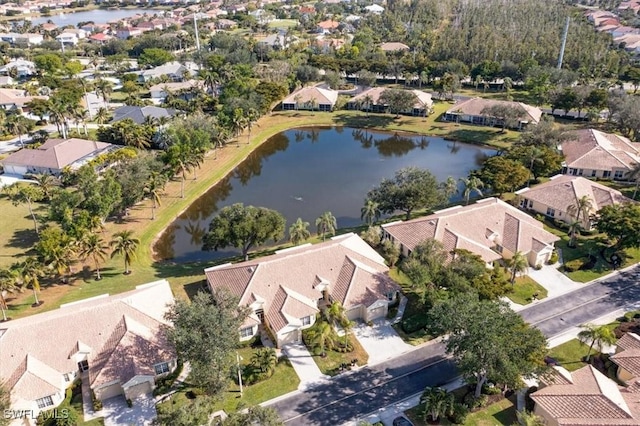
364, 391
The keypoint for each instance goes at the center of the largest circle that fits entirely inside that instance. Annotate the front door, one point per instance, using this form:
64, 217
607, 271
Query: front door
260, 315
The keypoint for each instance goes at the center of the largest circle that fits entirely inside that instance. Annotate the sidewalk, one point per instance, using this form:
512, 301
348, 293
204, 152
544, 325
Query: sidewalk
304, 365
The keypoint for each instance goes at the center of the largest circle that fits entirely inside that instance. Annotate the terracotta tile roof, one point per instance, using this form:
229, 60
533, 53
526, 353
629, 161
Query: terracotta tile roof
595, 150
477, 227
16, 97
591, 399
393, 46
422, 98
329, 25
57, 154
563, 191
172, 87
310, 94
475, 106
628, 359
54, 337
628, 341
287, 283
33, 379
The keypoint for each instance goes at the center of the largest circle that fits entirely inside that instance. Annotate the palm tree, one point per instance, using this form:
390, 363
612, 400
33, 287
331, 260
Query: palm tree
517, 264
322, 336
154, 188
574, 229
125, 244
437, 402
450, 187
252, 116
535, 157
337, 315
92, 246
326, 223
62, 257
8, 284
177, 157
367, 102
31, 270
471, 184
581, 210
298, 231
102, 116
17, 125
527, 418
46, 183
598, 335
265, 360
370, 213
25, 193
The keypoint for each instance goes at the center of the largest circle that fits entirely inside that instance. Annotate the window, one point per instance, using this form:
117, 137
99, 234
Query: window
83, 365
593, 173
499, 248
551, 212
580, 172
67, 377
606, 174
246, 332
161, 368
619, 174
45, 402
306, 320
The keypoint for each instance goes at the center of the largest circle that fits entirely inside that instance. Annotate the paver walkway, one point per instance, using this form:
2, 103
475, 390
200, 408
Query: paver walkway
304, 365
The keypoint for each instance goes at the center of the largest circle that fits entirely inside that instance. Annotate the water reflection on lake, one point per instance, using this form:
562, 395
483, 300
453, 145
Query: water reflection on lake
304, 172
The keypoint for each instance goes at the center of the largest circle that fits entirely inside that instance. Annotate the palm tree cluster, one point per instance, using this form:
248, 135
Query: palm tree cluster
323, 335
262, 366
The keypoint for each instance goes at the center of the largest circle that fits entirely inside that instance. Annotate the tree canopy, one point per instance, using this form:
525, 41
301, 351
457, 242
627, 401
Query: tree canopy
244, 227
621, 223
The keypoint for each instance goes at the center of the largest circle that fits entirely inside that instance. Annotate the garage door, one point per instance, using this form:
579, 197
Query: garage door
139, 389
354, 313
376, 313
109, 392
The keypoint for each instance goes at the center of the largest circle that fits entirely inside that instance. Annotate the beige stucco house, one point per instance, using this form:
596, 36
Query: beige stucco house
115, 344
471, 111
311, 98
490, 228
423, 105
287, 290
555, 198
595, 154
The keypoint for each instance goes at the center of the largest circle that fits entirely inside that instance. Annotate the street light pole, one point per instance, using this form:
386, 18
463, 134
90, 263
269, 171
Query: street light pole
239, 372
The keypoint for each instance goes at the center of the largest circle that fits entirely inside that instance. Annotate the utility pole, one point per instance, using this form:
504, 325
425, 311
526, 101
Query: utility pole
564, 42
239, 372
195, 27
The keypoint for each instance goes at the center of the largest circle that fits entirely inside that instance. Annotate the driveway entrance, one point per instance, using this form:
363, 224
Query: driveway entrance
380, 341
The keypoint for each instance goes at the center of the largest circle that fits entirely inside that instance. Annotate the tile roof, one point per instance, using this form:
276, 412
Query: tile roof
174, 87
477, 228
595, 150
57, 153
562, 191
628, 359
422, 98
17, 97
591, 399
139, 114
628, 341
393, 46
286, 283
475, 106
312, 93
46, 343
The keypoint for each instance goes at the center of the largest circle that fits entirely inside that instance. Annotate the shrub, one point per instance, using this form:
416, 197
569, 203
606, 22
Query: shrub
491, 389
474, 403
413, 323
459, 413
574, 265
373, 235
538, 266
129, 403
97, 404
553, 259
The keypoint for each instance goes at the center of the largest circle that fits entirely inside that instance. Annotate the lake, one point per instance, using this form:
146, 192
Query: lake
305, 172
99, 16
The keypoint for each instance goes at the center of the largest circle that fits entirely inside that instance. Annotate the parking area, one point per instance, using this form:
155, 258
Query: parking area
380, 341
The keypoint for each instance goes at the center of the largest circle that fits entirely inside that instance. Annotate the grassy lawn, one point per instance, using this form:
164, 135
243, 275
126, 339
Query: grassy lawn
502, 412
283, 23
17, 233
570, 354
331, 363
524, 289
414, 312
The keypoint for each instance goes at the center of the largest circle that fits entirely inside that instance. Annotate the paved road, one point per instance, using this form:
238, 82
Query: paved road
350, 396
360, 392
586, 304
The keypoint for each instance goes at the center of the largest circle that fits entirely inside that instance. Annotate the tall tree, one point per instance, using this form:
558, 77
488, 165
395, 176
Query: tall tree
94, 247
596, 335
505, 116
621, 223
154, 186
9, 282
210, 350
398, 100
517, 264
449, 187
123, 243
31, 270
488, 340
411, 188
21, 192
326, 224
503, 174
437, 402
18, 125
471, 184
370, 213
47, 184
257, 415
298, 231
244, 227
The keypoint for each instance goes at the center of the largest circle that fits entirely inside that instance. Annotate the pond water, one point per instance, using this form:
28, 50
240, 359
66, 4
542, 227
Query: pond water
99, 16
305, 172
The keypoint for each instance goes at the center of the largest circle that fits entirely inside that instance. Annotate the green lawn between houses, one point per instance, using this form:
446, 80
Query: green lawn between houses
499, 413
523, 290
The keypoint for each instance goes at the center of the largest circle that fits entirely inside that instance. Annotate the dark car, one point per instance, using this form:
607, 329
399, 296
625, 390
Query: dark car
401, 421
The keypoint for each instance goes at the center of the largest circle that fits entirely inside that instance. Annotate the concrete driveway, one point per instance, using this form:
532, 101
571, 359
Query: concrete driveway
304, 365
117, 413
553, 280
380, 341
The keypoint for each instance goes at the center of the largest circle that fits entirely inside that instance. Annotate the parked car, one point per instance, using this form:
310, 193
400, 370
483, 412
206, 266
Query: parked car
402, 421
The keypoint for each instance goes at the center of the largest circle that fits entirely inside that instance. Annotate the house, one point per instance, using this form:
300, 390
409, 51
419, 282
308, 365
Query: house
53, 156
23, 68
286, 291
174, 70
311, 98
30, 39
375, 9
490, 228
470, 111
68, 38
140, 115
627, 357
585, 397
556, 197
125, 33
187, 88
16, 98
277, 41
423, 105
100, 38
115, 344
595, 154
5, 80
394, 46
225, 24
327, 26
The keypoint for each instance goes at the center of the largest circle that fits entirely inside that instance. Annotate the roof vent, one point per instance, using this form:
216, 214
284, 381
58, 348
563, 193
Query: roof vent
432, 222
251, 269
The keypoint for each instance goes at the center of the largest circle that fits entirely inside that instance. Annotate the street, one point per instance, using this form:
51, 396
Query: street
350, 396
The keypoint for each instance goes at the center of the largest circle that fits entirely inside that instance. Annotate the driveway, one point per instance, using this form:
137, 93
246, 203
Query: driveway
553, 280
380, 341
117, 413
306, 368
